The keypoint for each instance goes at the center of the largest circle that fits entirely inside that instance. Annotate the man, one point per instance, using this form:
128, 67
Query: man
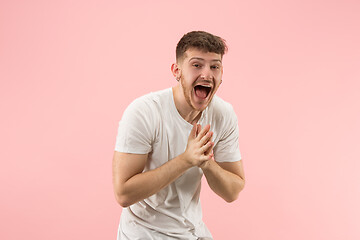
168, 139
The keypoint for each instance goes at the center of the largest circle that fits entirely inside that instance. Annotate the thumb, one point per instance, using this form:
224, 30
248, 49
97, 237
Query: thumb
193, 131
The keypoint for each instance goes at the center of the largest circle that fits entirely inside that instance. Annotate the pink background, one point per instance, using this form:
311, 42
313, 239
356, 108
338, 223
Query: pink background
69, 68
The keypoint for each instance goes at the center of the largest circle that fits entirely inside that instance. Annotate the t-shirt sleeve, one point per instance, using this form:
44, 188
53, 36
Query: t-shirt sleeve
227, 148
136, 129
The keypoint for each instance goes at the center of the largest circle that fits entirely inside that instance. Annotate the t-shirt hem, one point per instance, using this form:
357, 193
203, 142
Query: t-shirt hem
230, 160
131, 151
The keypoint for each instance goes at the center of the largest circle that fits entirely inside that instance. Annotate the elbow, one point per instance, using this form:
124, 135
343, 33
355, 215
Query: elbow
123, 200
122, 196
235, 193
231, 198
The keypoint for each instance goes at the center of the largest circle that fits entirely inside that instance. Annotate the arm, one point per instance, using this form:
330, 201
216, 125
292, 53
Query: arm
131, 184
226, 179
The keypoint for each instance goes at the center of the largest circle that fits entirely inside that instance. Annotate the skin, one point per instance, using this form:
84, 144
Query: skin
225, 179
195, 67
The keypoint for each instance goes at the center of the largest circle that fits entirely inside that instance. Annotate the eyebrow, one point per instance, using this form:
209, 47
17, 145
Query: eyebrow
197, 58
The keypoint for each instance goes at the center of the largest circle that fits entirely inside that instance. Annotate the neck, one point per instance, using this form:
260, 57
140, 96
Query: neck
185, 110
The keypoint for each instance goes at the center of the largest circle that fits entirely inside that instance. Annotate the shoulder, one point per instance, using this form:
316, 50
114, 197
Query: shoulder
141, 119
146, 111
149, 103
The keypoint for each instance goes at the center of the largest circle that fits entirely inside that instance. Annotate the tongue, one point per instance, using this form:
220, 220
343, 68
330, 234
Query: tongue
200, 92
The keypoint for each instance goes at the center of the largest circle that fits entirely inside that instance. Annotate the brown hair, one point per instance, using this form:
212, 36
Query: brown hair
201, 40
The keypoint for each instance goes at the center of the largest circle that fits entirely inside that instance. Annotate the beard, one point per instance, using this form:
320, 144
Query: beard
187, 91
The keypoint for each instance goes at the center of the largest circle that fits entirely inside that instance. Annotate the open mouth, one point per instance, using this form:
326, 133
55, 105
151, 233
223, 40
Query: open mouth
202, 91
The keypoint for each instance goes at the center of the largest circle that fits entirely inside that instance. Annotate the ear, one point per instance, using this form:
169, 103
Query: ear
175, 70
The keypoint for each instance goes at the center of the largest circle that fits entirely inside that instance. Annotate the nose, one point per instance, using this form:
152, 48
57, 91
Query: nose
206, 74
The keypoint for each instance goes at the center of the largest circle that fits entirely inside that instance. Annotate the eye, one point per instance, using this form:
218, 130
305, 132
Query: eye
196, 65
215, 67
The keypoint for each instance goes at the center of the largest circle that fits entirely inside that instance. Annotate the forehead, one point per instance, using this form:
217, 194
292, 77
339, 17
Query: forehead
196, 54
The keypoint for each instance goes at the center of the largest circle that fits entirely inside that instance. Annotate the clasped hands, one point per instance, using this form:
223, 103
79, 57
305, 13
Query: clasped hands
199, 149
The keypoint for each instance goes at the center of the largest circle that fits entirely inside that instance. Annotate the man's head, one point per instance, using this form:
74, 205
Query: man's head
198, 68
202, 41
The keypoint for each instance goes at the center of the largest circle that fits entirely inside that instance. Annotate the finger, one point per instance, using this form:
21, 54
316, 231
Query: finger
205, 158
198, 129
206, 147
203, 132
207, 152
210, 151
193, 132
206, 138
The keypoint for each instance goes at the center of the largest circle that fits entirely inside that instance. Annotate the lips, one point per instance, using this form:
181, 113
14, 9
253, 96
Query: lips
202, 91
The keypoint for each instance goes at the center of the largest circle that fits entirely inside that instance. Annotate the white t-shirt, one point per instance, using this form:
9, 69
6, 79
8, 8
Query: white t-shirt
151, 124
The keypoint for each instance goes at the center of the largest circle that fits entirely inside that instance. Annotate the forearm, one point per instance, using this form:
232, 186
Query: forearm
131, 184
145, 184
224, 183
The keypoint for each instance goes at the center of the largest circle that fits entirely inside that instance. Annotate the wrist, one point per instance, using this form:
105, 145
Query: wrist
205, 166
185, 160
